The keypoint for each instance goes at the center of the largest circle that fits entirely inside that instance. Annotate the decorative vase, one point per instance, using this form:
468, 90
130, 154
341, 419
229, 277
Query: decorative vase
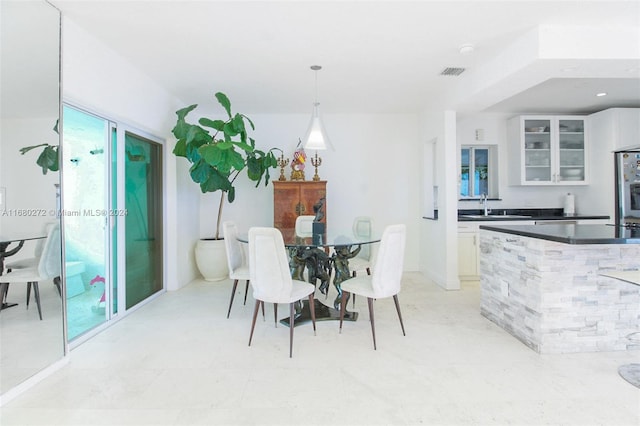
211, 259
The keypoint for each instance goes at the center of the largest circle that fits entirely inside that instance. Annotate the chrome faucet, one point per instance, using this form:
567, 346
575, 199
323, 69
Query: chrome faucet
485, 204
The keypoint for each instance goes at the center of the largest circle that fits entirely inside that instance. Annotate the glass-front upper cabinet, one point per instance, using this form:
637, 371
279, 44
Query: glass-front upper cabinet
547, 150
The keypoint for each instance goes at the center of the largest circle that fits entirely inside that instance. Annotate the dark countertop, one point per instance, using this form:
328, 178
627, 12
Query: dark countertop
572, 234
521, 214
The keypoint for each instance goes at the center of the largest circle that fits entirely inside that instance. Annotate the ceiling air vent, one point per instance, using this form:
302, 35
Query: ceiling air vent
452, 71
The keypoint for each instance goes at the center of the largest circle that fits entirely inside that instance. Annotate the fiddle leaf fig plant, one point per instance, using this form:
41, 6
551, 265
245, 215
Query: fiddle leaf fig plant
219, 150
49, 157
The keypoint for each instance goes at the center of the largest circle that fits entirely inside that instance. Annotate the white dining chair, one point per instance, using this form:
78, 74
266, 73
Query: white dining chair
304, 226
49, 266
386, 277
271, 278
363, 262
236, 261
31, 262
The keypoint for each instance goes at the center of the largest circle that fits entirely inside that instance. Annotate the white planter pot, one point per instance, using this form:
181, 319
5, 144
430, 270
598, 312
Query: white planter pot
211, 259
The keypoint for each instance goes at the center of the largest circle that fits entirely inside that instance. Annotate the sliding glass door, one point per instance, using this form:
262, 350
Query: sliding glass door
85, 148
112, 215
143, 224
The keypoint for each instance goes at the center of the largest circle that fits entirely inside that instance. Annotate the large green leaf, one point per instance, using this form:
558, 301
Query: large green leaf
48, 159
180, 149
211, 154
200, 171
249, 120
244, 146
254, 168
216, 182
235, 159
182, 113
224, 145
214, 124
238, 123
197, 135
230, 130
272, 161
224, 101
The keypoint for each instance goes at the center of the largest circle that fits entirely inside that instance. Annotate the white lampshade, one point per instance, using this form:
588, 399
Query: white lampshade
316, 137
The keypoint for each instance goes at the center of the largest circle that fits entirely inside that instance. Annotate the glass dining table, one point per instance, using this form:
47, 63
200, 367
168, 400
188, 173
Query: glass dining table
323, 256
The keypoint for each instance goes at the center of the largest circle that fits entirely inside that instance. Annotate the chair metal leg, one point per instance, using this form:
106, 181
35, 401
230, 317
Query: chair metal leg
275, 314
233, 293
263, 317
354, 274
36, 292
56, 282
343, 302
28, 294
246, 291
395, 300
292, 316
3, 291
312, 308
253, 322
373, 325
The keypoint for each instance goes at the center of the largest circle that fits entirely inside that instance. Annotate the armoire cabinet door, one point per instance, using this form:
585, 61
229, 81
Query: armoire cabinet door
296, 198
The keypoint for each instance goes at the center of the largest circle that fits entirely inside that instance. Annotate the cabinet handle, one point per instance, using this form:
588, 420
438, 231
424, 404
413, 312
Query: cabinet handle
300, 209
475, 242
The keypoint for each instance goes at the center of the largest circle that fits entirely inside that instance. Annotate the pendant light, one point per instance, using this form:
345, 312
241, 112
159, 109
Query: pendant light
316, 137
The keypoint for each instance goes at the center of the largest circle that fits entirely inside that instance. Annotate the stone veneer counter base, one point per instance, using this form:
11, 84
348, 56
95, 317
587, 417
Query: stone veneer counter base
552, 296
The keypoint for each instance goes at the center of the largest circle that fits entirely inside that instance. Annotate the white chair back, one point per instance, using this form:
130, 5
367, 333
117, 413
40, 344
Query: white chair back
235, 255
50, 263
363, 227
37, 251
304, 226
387, 273
269, 266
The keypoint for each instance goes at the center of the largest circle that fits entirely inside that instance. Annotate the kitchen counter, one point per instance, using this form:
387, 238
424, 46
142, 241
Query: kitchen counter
551, 285
571, 233
476, 215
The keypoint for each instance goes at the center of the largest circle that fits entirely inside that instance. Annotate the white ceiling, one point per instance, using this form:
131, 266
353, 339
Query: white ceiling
377, 56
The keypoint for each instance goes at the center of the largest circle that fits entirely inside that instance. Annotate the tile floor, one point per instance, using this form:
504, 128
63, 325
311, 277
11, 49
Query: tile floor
179, 361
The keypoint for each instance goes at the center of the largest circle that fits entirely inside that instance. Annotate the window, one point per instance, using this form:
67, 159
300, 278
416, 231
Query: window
476, 171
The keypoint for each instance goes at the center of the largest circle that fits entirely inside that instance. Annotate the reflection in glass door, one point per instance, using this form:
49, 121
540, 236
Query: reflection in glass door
85, 145
143, 224
112, 211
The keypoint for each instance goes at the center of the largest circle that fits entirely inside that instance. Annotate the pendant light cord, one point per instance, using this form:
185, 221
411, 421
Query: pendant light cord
316, 68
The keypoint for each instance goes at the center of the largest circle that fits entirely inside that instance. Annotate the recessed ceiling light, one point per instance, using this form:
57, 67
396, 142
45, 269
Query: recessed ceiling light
601, 94
466, 49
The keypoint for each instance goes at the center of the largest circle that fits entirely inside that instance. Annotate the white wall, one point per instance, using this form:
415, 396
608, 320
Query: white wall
374, 171
99, 79
438, 238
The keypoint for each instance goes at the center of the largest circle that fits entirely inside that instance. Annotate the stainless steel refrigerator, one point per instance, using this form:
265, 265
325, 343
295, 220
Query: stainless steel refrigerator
627, 166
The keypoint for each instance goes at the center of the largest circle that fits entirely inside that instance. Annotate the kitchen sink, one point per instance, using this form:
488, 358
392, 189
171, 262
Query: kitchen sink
495, 216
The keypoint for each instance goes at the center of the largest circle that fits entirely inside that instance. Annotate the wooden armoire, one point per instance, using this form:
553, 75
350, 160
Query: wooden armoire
296, 198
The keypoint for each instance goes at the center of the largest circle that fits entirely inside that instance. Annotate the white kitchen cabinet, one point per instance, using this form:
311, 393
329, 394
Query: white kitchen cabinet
469, 246
548, 150
468, 261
